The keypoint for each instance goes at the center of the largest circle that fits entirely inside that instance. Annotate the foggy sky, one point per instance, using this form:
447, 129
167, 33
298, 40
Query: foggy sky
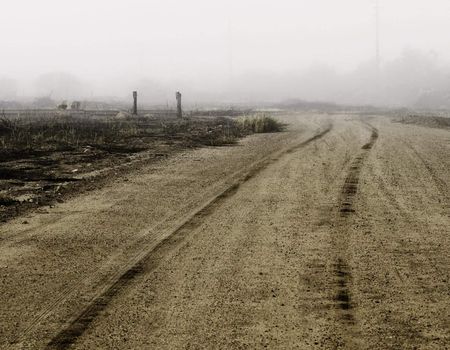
110, 46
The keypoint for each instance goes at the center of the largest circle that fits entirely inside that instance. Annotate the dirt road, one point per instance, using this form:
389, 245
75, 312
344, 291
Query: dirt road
334, 234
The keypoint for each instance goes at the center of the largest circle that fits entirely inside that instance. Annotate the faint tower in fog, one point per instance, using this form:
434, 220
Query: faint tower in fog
179, 110
134, 111
230, 50
377, 35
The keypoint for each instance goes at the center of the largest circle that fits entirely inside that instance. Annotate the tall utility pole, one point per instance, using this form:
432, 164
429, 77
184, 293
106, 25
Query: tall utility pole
230, 49
134, 102
179, 110
377, 35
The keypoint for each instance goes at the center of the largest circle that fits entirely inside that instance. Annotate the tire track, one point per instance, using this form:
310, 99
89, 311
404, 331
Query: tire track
412, 257
441, 185
152, 258
406, 249
350, 188
346, 334
61, 297
343, 297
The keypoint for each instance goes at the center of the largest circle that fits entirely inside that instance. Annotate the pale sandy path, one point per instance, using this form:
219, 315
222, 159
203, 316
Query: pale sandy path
53, 265
320, 238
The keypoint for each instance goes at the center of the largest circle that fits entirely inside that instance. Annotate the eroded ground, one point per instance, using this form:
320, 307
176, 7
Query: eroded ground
331, 235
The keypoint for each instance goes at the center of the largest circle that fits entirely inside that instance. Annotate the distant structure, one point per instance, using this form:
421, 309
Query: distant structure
134, 103
44, 102
179, 110
76, 105
377, 35
230, 51
62, 106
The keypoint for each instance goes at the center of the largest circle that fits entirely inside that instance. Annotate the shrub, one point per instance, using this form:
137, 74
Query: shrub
260, 124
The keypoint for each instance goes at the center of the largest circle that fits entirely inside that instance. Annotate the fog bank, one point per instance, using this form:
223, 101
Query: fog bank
217, 51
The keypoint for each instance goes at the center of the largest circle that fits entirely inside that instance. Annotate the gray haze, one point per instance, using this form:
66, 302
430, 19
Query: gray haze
227, 51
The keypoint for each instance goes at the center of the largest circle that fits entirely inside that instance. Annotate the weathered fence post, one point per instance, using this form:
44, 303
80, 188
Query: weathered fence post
135, 102
179, 110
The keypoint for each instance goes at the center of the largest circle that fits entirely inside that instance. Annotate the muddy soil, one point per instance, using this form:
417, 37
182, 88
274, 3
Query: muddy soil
333, 235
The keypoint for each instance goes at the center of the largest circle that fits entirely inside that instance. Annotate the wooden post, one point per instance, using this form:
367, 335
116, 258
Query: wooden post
135, 102
179, 110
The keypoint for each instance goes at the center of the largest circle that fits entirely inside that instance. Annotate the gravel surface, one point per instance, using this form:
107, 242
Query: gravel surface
331, 235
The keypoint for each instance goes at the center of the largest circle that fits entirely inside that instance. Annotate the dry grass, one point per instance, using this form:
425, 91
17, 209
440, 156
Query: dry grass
43, 157
62, 133
129, 134
260, 124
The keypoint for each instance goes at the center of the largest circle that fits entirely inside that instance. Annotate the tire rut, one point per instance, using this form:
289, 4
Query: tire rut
347, 334
350, 188
439, 182
412, 257
151, 259
343, 297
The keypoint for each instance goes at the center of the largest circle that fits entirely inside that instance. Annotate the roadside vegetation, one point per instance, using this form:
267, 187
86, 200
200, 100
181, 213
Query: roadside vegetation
123, 134
260, 124
46, 157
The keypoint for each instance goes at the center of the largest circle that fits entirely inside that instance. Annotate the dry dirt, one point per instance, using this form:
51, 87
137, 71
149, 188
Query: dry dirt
333, 235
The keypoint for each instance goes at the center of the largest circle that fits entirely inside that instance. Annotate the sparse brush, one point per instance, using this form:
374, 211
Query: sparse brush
260, 124
6, 200
62, 132
6, 125
65, 132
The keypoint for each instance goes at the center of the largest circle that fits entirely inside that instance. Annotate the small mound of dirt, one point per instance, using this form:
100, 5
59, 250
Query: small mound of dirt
425, 120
